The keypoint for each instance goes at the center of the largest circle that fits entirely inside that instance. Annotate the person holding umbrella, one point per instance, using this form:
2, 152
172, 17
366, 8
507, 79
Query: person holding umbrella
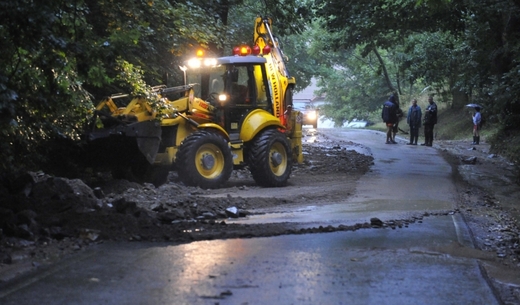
477, 120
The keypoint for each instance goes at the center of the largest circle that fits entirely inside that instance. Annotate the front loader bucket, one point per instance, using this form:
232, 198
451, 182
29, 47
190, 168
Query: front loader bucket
124, 145
148, 137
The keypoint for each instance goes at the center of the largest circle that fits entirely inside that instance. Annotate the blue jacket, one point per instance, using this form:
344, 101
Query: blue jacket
414, 116
389, 113
477, 118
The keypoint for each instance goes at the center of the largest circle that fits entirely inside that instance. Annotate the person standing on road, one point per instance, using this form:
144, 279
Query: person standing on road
389, 116
477, 120
430, 119
414, 121
395, 128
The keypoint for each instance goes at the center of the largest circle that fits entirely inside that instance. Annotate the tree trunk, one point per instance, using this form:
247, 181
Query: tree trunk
460, 98
385, 72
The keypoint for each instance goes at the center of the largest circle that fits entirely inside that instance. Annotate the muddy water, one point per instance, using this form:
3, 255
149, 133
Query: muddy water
404, 181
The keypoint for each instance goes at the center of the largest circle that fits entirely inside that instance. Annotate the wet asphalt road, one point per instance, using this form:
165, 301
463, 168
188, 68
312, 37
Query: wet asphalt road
430, 262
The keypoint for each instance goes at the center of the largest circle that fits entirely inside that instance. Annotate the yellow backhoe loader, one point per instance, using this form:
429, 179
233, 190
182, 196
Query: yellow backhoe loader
235, 112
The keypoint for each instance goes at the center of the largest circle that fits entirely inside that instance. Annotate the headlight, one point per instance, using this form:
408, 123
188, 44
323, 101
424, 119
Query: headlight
222, 97
311, 115
194, 63
210, 62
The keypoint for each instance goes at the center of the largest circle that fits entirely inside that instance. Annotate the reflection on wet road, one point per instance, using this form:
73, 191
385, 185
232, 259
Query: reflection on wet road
431, 261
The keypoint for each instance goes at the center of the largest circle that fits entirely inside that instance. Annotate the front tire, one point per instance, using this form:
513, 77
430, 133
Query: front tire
269, 158
204, 159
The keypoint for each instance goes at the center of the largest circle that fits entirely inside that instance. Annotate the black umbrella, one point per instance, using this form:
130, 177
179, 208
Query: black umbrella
474, 106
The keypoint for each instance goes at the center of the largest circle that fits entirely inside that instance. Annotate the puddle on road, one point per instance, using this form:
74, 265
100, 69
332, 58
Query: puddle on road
348, 213
312, 136
388, 161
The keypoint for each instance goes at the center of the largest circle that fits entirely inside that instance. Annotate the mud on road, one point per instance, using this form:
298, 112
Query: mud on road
52, 217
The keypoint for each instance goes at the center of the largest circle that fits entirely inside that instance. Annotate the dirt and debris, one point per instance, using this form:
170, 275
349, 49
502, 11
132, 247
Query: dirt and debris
49, 217
488, 197
488, 193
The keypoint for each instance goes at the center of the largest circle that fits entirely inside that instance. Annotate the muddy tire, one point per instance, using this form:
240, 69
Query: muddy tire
204, 159
269, 158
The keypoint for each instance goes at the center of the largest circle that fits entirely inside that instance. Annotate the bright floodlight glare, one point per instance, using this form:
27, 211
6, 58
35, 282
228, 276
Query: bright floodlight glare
210, 62
194, 63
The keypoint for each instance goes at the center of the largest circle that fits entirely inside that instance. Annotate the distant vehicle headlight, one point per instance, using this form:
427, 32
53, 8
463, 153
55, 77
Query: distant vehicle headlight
311, 115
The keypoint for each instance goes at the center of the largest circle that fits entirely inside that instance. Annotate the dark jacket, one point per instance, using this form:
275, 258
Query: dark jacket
414, 116
389, 113
430, 114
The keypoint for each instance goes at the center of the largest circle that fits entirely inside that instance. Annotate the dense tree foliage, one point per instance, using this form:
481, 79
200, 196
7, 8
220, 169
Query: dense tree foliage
462, 50
59, 57
290, 26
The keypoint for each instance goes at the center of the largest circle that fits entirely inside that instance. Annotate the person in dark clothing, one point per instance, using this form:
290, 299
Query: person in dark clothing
430, 119
395, 128
414, 121
477, 120
389, 116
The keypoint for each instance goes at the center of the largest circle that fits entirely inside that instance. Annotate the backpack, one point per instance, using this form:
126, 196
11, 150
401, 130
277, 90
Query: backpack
389, 112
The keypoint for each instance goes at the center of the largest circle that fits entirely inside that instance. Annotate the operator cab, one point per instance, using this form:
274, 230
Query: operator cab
234, 86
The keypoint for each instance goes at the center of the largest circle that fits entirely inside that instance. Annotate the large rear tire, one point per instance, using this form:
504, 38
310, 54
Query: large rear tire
270, 158
204, 159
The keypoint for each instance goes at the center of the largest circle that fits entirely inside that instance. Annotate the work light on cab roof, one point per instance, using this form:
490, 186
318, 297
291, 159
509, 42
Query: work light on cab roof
247, 50
201, 60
